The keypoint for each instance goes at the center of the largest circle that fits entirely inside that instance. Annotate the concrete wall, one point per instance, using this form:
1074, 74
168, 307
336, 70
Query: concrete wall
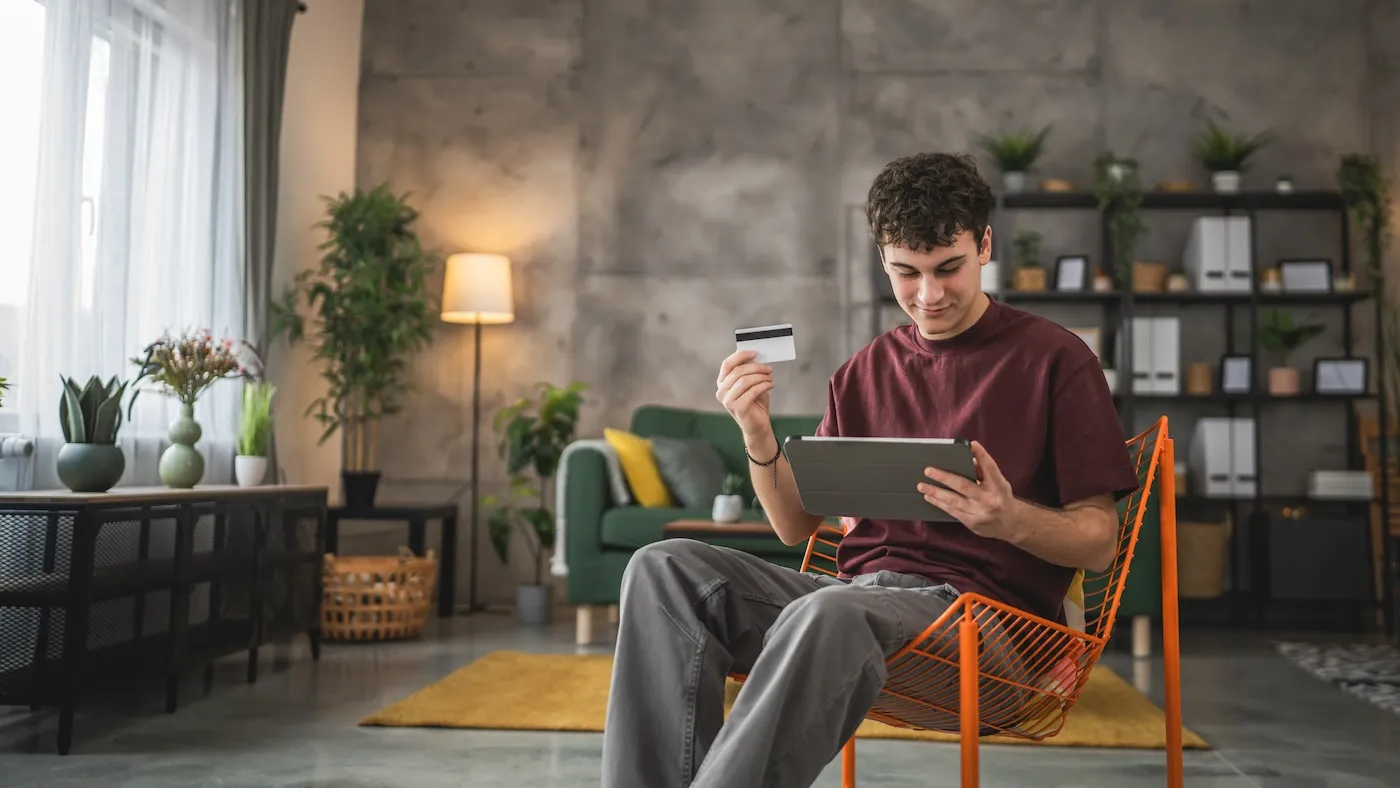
664, 172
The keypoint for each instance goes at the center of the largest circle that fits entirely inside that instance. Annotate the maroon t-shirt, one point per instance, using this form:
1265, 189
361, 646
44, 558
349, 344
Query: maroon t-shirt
1033, 394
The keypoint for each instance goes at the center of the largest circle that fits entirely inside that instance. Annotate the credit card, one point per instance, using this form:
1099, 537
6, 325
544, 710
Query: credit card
771, 343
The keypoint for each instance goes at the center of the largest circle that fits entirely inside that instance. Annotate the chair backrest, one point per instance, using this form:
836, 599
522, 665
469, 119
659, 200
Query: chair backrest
1103, 590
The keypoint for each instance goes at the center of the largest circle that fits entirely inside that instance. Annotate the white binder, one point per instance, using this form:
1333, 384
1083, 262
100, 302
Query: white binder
1218, 257
1221, 458
1156, 344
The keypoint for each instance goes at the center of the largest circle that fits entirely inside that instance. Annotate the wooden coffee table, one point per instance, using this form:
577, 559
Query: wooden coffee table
699, 529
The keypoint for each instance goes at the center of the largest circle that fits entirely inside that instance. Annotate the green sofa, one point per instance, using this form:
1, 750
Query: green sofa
600, 535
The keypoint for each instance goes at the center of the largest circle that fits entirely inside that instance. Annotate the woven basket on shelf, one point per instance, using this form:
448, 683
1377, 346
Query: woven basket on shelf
376, 597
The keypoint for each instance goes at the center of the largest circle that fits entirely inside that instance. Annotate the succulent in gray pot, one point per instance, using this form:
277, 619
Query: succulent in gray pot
91, 416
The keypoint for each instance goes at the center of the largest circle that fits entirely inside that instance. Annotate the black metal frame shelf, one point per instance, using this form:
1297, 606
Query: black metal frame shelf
1120, 305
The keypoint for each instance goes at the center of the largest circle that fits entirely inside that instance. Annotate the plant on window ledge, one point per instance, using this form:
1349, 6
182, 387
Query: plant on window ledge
4, 386
373, 311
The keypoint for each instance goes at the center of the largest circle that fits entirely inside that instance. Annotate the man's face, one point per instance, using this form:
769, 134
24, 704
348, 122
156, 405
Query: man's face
941, 289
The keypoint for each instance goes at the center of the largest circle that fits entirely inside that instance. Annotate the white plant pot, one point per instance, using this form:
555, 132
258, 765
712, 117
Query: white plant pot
1225, 181
1117, 171
249, 471
1013, 182
727, 508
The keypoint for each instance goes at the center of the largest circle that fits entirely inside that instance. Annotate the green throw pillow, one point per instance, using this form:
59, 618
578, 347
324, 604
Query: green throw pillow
691, 468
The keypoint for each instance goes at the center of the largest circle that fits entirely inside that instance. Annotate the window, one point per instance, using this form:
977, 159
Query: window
21, 60
22, 91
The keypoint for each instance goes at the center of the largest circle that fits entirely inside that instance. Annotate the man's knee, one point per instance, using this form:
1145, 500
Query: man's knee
654, 563
835, 612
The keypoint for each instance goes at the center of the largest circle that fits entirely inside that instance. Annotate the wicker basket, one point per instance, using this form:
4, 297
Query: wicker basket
377, 597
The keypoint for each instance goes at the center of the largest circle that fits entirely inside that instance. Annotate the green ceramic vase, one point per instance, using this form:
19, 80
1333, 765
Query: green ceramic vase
181, 465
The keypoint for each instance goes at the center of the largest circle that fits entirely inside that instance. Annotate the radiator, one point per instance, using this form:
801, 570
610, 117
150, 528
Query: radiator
16, 462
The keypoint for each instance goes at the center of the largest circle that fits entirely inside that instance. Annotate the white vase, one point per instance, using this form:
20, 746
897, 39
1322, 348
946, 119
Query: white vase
1013, 182
249, 471
1225, 181
727, 508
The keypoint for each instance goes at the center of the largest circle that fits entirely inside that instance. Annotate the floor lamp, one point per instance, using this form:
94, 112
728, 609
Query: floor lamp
477, 290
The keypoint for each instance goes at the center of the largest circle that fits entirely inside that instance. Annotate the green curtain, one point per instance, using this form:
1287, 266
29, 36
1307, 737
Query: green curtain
267, 36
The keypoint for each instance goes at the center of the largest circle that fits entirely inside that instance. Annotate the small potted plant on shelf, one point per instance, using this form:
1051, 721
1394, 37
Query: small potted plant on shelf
533, 438
91, 417
729, 504
1279, 335
1016, 154
254, 434
1030, 274
1226, 156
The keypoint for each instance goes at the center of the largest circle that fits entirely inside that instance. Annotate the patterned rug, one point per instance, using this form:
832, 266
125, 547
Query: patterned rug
1371, 672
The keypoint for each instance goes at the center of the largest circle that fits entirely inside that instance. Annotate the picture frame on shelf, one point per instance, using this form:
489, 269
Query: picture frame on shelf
1341, 376
1072, 273
1236, 374
1306, 275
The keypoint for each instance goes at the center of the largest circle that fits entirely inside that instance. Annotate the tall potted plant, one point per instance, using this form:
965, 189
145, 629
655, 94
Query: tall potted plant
373, 311
1118, 190
1366, 192
1279, 335
533, 438
1227, 155
1016, 154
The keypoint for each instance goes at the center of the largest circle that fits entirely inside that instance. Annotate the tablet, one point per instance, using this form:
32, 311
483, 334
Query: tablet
873, 478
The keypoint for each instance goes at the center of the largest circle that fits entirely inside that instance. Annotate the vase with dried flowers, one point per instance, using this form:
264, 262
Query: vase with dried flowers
184, 367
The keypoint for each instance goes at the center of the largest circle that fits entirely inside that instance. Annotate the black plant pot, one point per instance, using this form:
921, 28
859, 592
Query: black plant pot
359, 488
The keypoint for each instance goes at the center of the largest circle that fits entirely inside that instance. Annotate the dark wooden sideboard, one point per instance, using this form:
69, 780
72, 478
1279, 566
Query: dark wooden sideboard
151, 581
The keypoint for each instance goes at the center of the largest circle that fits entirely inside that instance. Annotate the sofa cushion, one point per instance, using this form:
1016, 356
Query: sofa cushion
639, 466
631, 527
691, 468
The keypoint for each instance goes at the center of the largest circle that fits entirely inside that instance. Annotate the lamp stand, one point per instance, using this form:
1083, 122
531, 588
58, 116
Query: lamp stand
476, 466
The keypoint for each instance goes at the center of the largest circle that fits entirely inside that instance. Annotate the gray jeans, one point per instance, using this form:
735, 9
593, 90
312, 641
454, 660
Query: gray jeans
813, 647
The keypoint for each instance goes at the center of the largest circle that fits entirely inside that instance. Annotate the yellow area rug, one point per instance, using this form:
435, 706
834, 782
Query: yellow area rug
512, 690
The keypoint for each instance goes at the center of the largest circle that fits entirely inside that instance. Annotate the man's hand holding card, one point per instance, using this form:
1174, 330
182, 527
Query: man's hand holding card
746, 377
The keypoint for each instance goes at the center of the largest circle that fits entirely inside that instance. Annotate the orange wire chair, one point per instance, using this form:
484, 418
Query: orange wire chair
1031, 670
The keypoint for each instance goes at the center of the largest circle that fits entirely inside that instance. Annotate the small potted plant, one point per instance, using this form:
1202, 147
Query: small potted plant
1226, 156
534, 435
254, 434
89, 460
1284, 184
3, 386
729, 504
1279, 335
1030, 274
1016, 154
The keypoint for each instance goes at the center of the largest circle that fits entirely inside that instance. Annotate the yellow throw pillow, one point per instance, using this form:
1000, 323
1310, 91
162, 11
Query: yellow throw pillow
1074, 604
639, 466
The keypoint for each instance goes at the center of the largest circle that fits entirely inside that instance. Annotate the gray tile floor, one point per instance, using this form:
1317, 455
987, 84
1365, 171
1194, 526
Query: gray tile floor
1272, 725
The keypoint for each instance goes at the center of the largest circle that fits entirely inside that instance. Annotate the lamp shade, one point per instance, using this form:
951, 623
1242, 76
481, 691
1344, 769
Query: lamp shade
477, 289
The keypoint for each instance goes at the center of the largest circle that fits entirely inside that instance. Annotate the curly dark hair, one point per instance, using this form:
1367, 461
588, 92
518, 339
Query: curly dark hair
923, 201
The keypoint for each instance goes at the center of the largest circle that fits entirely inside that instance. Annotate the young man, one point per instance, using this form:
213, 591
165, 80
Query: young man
1052, 464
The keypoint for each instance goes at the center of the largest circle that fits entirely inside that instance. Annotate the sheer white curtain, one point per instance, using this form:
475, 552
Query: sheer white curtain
137, 211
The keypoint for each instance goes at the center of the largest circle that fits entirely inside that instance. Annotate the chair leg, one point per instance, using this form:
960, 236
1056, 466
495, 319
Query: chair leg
967, 697
1171, 644
848, 764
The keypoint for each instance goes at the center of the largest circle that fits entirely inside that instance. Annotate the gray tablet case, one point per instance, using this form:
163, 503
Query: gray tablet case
873, 477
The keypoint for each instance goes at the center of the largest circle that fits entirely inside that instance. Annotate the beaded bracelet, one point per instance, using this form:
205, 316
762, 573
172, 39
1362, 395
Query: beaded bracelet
773, 462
